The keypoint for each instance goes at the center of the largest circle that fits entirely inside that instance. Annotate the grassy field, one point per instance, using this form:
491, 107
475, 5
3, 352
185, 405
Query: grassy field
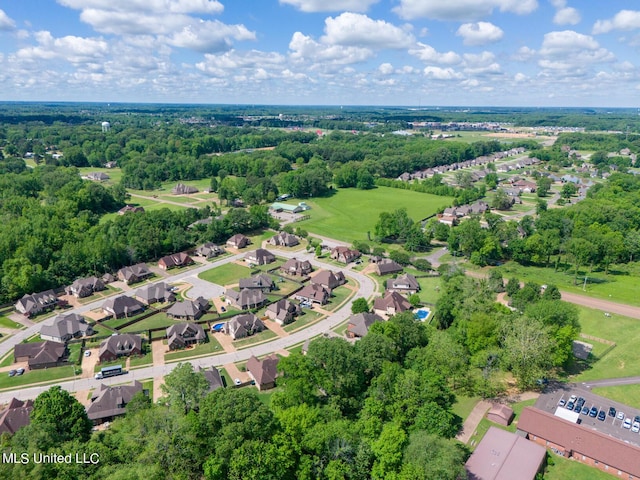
624, 359
257, 338
429, 289
566, 469
308, 318
620, 285
142, 361
36, 376
464, 405
350, 214
226, 274
156, 321
338, 296
627, 394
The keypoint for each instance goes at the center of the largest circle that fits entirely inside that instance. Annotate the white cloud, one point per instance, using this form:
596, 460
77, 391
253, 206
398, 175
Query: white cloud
355, 29
147, 6
305, 48
623, 20
385, 68
252, 63
209, 36
330, 5
524, 54
462, 10
567, 16
438, 73
6, 22
428, 54
70, 48
480, 33
570, 50
481, 64
520, 77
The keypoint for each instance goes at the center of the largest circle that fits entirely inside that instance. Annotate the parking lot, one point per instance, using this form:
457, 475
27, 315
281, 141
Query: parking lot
556, 394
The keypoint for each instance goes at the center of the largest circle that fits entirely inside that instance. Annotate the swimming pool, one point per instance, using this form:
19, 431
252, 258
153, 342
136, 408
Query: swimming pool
421, 314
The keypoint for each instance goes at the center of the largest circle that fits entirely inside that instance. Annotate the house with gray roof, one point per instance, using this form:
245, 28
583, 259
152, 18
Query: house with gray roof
209, 250
123, 344
84, 287
245, 298
405, 284
36, 303
40, 354
296, 268
134, 273
182, 335
15, 416
182, 189
243, 325
264, 372
387, 266
328, 279
157, 293
130, 209
313, 293
108, 403
284, 239
238, 241
122, 306
189, 309
66, 327
358, 324
283, 311
213, 377
98, 176
260, 256
261, 281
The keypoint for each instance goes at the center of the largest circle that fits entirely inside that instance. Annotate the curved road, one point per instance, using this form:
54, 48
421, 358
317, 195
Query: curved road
366, 290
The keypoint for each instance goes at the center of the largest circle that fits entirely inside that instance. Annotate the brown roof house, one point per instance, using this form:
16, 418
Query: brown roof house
283, 311
344, 254
122, 306
36, 303
501, 414
157, 293
284, 239
390, 304
406, 284
110, 402
264, 371
238, 241
174, 261
134, 273
84, 287
243, 326
313, 293
130, 209
328, 279
66, 327
358, 324
580, 443
182, 335
261, 281
123, 344
209, 250
189, 309
98, 176
387, 266
295, 267
260, 257
15, 416
503, 455
40, 354
245, 298
182, 189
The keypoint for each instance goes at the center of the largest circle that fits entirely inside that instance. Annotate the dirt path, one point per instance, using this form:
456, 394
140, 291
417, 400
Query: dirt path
473, 420
157, 388
83, 397
162, 200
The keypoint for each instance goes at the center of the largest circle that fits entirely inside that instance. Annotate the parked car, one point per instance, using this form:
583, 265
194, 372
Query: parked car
237, 381
20, 371
602, 415
87, 353
620, 416
593, 412
612, 412
562, 402
12, 373
635, 428
627, 423
573, 398
636, 418
569, 406
585, 411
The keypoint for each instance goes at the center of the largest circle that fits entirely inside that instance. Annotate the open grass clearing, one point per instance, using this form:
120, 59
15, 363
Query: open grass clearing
429, 289
464, 405
7, 359
265, 397
208, 348
567, 469
350, 213
338, 296
226, 274
141, 361
49, 375
627, 394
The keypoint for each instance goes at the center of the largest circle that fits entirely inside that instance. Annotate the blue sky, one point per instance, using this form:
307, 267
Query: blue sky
335, 52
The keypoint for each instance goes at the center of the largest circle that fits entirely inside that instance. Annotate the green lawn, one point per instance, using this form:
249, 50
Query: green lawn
624, 359
429, 289
37, 376
158, 320
74, 352
115, 174
566, 469
265, 397
7, 323
118, 322
350, 213
226, 379
8, 359
225, 274
464, 405
208, 348
620, 285
302, 321
627, 394
142, 361
338, 297
257, 338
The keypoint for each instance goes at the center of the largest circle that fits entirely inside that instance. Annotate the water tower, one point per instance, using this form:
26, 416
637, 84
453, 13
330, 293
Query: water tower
106, 126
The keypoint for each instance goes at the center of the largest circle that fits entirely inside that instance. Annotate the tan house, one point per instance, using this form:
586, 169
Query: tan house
174, 261
390, 304
264, 372
344, 254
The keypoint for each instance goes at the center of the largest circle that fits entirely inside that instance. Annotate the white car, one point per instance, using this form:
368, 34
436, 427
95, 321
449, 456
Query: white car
572, 399
620, 416
237, 381
627, 423
87, 353
635, 428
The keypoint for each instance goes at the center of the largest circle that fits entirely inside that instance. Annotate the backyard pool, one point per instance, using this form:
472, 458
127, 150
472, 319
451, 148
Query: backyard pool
217, 327
421, 314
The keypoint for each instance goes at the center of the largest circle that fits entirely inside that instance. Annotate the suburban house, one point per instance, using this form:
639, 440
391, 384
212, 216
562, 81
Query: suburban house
130, 209
66, 327
36, 303
122, 306
387, 266
84, 287
582, 444
284, 239
313, 293
15, 416
40, 354
261, 281
358, 324
344, 254
238, 241
406, 284
500, 414
108, 278
286, 207
295, 267
209, 250
123, 344
245, 298
182, 335
243, 325
98, 176
283, 311
263, 371
182, 189
260, 257
213, 378
525, 186
174, 261
134, 273
328, 279
505, 455
189, 309
110, 402
157, 293
390, 304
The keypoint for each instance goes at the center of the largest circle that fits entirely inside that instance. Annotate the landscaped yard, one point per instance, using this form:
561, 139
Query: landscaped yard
429, 289
566, 469
226, 274
118, 322
7, 323
208, 348
338, 296
303, 320
142, 361
49, 375
257, 338
159, 320
464, 405
350, 213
